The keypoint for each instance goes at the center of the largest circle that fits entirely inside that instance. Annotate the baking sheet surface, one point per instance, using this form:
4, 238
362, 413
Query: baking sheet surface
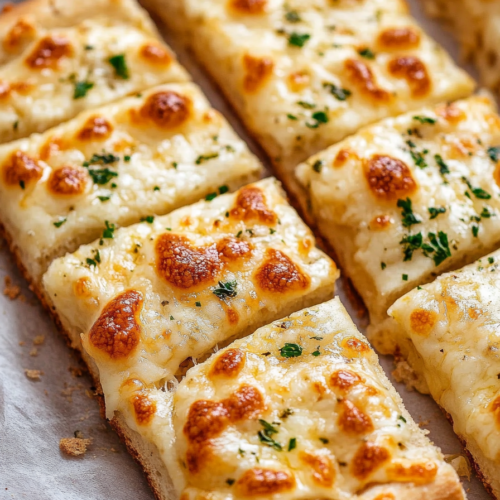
35, 415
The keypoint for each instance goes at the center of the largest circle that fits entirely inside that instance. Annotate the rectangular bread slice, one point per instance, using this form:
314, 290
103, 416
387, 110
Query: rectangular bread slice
476, 25
408, 198
448, 332
53, 70
304, 75
144, 155
149, 296
299, 409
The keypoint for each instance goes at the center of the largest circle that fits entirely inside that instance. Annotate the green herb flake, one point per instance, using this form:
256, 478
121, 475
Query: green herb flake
338, 92
318, 165
230, 481
439, 248
316, 338
491, 260
404, 277
366, 53
227, 289
149, 219
434, 212
410, 242
81, 89
210, 196
104, 198
60, 222
383, 265
306, 105
110, 229
172, 318
102, 176
291, 350
298, 39
291, 117
156, 188
203, 158
91, 262
486, 214
425, 119
286, 413
324, 440
22, 184
317, 352
417, 156
15, 126
197, 304
443, 168
292, 16
292, 444
223, 189
475, 230
265, 436
272, 231
239, 234
494, 153
320, 117
477, 192
120, 65
408, 217
400, 417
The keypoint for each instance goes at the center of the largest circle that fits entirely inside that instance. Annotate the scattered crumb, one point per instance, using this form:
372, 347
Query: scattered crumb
68, 391
424, 423
10, 290
33, 374
22, 343
39, 340
78, 434
74, 447
34, 352
76, 371
90, 394
460, 464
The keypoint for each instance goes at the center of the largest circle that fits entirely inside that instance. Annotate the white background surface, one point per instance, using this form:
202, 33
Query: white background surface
35, 415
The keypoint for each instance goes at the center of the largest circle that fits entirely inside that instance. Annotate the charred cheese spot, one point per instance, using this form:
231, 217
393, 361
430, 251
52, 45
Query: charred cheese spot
245, 404
156, 54
117, 331
354, 346
49, 51
362, 76
380, 222
4, 90
167, 109
399, 38
418, 473
68, 181
322, 466
206, 420
495, 408
388, 178
199, 455
228, 364
413, 70
385, 496
451, 113
263, 482
279, 274
422, 321
83, 287
298, 81
21, 168
341, 158
144, 408
344, 380
19, 36
232, 315
96, 128
51, 147
250, 205
368, 459
183, 265
231, 249
256, 72
352, 420
248, 6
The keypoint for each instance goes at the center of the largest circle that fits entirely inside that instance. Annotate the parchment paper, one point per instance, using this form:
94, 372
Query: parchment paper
35, 415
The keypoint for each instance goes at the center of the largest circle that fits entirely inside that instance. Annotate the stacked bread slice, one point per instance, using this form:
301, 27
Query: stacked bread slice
142, 226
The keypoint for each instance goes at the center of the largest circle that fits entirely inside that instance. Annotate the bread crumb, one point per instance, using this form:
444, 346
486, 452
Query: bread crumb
22, 343
33, 374
11, 291
74, 447
34, 352
39, 340
76, 371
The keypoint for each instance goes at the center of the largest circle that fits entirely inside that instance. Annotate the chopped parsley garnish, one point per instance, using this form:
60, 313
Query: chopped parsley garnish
298, 39
324, 440
404, 277
197, 304
292, 16
172, 318
338, 92
317, 352
443, 168
81, 89
239, 234
110, 229
102, 175
366, 53
120, 64
318, 165
477, 192
286, 413
227, 289
475, 230
486, 214
494, 153
104, 198
306, 105
417, 156
319, 117
409, 218
156, 188
104, 159
210, 196
425, 119
127, 158
292, 444
411, 243
96, 260
383, 265
491, 260
291, 117
230, 481
22, 184
271, 230
434, 212
400, 417
439, 247
91, 262
203, 158
316, 338
291, 350
223, 189
149, 219
15, 126
60, 222
265, 435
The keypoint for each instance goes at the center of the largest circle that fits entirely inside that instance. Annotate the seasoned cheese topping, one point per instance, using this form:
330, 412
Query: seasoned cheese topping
145, 155
149, 296
306, 74
452, 327
64, 71
299, 409
408, 198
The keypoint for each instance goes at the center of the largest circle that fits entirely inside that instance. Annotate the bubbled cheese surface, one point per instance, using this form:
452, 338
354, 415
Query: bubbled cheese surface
412, 196
144, 155
151, 296
306, 74
250, 422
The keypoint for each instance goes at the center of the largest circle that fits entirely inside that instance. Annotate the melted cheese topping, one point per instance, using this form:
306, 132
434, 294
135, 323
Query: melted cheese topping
306, 74
452, 326
253, 421
411, 196
144, 155
173, 287
65, 71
